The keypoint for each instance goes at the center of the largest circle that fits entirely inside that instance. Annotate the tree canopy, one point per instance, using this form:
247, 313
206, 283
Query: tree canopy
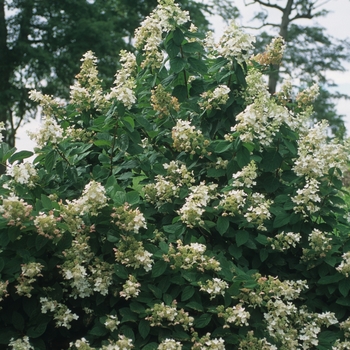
310, 51
41, 43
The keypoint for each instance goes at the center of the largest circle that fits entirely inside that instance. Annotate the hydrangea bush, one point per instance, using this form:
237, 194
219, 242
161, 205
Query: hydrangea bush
185, 208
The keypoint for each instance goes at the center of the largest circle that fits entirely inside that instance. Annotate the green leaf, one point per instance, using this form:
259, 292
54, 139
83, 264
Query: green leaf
243, 157
187, 293
180, 92
195, 306
263, 253
222, 224
281, 219
192, 47
101, 143
242, 237
144, 328
46, 201
17, 320
331, 279
344, 287
197, 65
121, 271
343, 301
212, 172
36, 331
159, 268
132, 197
50, 160
271, 160
20, 156
178, 36
40, 242
150, 346
155, 290
223, 146
177, 64
202, 321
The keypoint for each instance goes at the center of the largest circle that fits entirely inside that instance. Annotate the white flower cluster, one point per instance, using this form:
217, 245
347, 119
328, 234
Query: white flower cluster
261, 121
258, 210
62, 315
199, 197
316, 155
28, 276
127, 219
46, 225
49, 105
2, 127
23, 173
295, 328
169, 344
251, 342
191, 256
166, 188
273, 53
49, 132
214, 99
188, 139
161, 313
3, 290
338, 345
163, 102
165, 17
80, 344
319, 244
205, 343
21, 344
233, 202
236, 44
16, 211
130, 288
77, 276
124, 83
236, 315
344, 266
246, 177
131, 252
307, 198
256, 87
87, 91
92, 200
284, 241
112, 322
214, 287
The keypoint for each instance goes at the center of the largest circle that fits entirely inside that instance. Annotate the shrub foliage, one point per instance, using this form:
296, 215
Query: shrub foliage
185, 208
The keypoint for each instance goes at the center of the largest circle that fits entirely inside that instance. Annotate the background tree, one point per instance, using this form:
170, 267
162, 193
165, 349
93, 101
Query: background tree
310, 51
41, 43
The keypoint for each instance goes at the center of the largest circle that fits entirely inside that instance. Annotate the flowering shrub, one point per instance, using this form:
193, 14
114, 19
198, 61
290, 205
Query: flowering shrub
185, 208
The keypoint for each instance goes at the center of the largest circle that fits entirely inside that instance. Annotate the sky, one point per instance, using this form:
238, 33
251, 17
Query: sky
337, 23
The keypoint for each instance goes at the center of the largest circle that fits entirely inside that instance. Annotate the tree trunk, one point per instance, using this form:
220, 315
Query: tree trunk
274, 75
